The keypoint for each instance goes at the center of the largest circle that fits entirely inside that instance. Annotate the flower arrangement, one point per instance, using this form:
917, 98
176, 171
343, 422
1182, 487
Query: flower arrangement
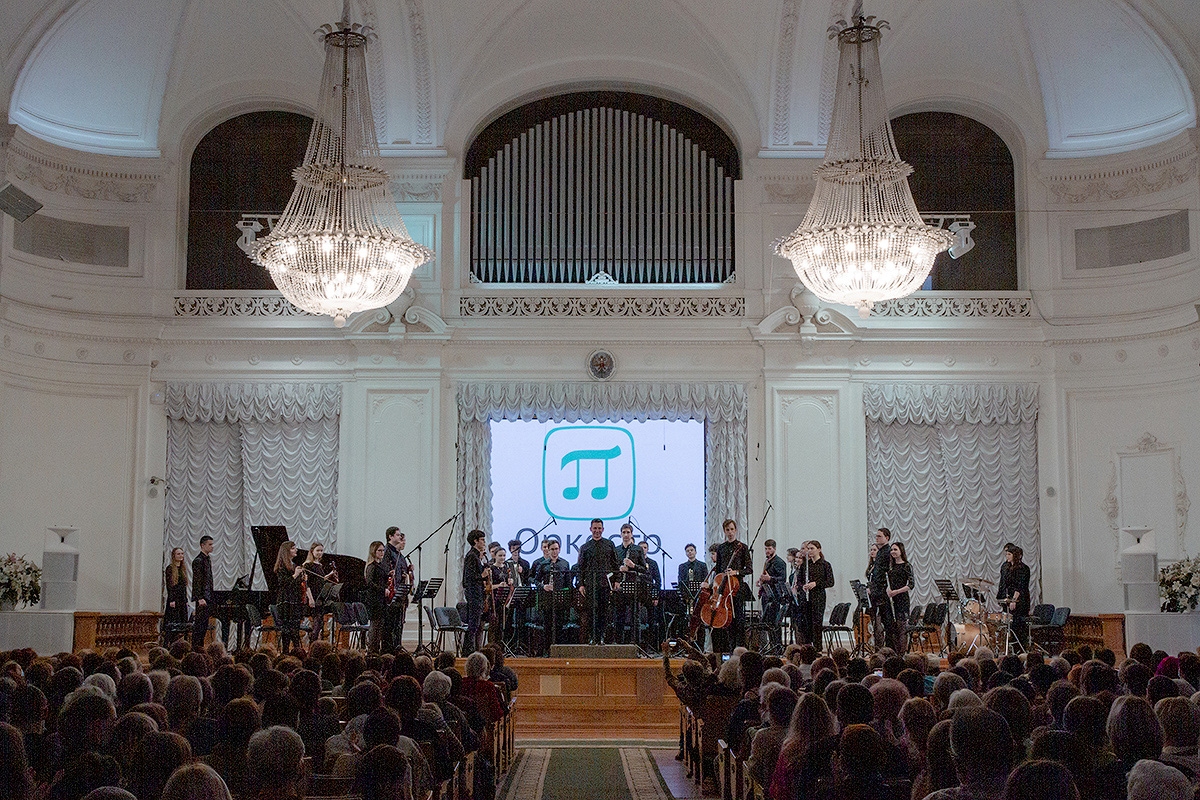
1179, 585
20, 581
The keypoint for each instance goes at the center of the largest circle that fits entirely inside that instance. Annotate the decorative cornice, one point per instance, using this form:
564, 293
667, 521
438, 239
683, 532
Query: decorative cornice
238, 306
582, 307
1109, 179
422, 184
990, 307
52, 175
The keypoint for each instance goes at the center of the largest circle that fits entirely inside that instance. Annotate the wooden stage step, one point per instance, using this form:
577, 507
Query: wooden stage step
594, 698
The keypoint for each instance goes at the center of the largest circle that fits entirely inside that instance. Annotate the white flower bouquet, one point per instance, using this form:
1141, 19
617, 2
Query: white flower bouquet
20, 581
1179, 585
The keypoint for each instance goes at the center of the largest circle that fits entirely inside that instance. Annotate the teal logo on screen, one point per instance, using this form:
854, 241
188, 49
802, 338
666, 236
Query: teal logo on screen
588, 471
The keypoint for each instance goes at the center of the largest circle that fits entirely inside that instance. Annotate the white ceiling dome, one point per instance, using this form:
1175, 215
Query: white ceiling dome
135, 77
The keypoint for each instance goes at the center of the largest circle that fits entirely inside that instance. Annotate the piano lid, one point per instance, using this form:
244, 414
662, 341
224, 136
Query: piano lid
269, 538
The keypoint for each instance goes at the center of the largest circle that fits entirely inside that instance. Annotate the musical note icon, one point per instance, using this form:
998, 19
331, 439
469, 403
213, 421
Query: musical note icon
600, 492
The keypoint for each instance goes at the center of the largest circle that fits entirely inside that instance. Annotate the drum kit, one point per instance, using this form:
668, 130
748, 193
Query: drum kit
977, 627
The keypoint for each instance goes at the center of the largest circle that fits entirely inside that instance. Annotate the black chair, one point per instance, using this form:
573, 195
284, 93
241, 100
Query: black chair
257, 626
284, 624
348, 621
1051, 636
446, 619
837, 626
931, 622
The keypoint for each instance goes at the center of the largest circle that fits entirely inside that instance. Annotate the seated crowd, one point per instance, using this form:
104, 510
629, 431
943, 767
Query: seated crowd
186, 725
1074, 726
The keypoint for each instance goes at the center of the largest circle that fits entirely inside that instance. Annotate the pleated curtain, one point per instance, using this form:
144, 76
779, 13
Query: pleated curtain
952, 472
244, 454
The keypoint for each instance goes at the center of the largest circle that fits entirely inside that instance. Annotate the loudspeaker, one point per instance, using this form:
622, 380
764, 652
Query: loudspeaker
17, 204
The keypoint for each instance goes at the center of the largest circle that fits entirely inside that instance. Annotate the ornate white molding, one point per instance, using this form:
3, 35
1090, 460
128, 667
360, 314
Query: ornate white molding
418, 185
238, 306
1147, 443
603, 307
420, 315
421, 73
36, 169
983, 307
1072, 182
781, 108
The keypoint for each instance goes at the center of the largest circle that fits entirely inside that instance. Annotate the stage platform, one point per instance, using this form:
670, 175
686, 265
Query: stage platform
594, 698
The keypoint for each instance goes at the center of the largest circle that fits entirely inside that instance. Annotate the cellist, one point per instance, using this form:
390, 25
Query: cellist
733, 560
475, 572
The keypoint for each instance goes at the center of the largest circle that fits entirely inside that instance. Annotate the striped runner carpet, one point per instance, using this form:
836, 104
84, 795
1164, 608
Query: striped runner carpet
585, 773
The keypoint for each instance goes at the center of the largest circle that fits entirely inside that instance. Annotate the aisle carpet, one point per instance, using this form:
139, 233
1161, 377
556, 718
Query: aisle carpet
585, 773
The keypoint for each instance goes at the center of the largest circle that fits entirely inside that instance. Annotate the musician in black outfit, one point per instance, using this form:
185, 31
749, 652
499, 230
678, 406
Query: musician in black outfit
399, 571
522, 575
793, 562
632, 561
203, 592
376, 576
881, 605
814, 577
475, 570
772, 591
693, 570
553, 574
176, 610
733, 560
1013, 591
597, 561
899, 590
654, 625
291, 595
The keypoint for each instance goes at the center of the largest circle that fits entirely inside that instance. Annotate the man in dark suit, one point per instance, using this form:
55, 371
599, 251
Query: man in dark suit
773, 592
693, 569
395, 563
597, 560
877, 586
632, 561
203, 592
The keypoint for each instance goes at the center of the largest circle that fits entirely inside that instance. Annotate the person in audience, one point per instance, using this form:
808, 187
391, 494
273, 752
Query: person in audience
982, 748
1040, 780
436, 690
82, 774
1159, 687
383, 774
1009, 703
804, 762
1065, 748
917, 719
238, 721
1086, 717
314, 726
84, 723
768, 740
156, 757
185, 696
858, 767
196, 782
404, 697
475, 685
1180, 722
126, 734
276, 761
1133, 731
938, 771
1153, 780
16, 776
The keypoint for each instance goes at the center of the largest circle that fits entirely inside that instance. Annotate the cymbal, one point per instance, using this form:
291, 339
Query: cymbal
978, 582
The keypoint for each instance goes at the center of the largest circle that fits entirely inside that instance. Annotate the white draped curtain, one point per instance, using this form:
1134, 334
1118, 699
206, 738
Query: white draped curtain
722, 407
952, 472
243, 454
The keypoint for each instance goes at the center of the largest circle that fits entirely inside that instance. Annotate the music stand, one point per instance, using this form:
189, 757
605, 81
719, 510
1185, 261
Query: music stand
628, 592
862, 648
519, 598
950, 595
426, 590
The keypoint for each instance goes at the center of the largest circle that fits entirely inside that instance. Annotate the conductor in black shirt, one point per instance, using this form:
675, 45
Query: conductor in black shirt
597, 561
202, 591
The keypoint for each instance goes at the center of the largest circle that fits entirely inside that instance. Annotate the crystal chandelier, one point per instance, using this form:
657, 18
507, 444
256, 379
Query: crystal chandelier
340, 245
862, 239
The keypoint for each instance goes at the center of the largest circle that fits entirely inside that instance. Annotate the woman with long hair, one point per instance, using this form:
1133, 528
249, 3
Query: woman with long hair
900, 584
1013, 591
177, 580
804, 759
816, 576
376, 576
291, 594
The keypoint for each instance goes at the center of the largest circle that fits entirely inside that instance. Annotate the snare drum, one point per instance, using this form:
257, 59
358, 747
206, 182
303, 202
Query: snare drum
972, 609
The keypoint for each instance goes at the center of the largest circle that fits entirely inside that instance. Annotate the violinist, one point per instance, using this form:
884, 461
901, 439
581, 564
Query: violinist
376, 578
400, 579
292, 594
476, 573
733, 561
597, 561
772, 591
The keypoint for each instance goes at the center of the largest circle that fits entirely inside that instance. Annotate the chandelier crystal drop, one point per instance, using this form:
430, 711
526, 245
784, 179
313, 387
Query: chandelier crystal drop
340, 246
862, 240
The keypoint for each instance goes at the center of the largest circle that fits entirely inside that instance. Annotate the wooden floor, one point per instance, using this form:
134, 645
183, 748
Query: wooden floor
597, 699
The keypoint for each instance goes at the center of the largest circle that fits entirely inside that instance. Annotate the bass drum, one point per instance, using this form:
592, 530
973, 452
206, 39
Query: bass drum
966, 637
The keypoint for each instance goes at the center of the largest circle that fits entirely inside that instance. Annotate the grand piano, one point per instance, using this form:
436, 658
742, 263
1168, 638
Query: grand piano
231, 603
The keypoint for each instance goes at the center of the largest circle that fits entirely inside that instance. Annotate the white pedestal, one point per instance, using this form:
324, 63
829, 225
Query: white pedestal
47, 632
1171, 632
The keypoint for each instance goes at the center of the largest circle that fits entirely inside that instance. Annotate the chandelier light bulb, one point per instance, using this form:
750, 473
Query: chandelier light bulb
862, 203
341, 223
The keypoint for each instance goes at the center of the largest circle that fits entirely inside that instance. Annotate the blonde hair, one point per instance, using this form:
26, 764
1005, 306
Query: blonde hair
309, 558
371, 552
177, 574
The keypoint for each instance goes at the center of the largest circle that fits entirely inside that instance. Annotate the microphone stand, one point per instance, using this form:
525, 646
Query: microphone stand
418, 551
761, 522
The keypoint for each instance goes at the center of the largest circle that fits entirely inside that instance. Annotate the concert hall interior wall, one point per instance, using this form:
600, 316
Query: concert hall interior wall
92, 332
